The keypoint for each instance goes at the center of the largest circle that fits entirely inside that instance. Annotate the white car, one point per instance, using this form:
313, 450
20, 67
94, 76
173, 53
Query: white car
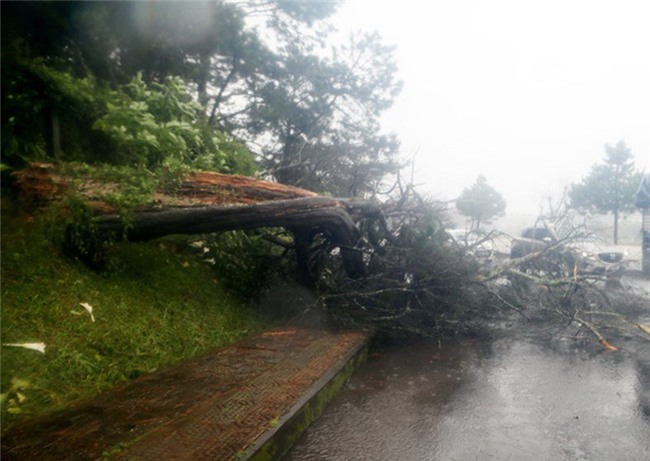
596, 257
590, 255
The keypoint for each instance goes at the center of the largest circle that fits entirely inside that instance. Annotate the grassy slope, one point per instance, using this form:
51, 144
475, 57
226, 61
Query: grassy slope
154, 307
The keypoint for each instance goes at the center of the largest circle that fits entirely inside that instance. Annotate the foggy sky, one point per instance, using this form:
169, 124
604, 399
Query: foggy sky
525, 93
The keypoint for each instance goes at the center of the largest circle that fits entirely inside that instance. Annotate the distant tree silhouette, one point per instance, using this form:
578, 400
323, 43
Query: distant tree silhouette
481, 203
609, 187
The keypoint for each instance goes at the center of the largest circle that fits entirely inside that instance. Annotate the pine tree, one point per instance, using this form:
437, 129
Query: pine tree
610, 187
481, 203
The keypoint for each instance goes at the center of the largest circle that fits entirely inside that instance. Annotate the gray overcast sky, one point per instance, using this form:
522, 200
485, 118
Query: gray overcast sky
524, 92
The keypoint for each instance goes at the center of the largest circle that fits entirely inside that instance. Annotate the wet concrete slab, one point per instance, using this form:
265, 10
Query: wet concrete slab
220, 406
520, 395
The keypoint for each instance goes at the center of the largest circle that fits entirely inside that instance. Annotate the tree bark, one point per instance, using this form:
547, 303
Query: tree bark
301, 215
56, 136
302, 240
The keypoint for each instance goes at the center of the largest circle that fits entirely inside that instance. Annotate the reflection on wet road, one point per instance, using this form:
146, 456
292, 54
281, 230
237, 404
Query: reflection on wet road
506, 399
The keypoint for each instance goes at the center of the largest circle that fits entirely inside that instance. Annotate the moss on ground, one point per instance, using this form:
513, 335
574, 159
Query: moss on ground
155, 305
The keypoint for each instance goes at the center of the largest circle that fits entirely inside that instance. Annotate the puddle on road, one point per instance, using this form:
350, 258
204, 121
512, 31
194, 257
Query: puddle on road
506, 399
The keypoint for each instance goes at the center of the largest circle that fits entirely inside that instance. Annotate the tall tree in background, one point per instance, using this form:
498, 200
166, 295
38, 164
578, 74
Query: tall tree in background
323, 117
481, 203
261, 70
610, 187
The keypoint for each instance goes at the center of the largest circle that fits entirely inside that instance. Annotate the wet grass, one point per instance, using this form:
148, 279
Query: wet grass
154, 306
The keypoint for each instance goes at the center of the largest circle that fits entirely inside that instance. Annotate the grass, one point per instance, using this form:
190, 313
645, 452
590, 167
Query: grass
157, 304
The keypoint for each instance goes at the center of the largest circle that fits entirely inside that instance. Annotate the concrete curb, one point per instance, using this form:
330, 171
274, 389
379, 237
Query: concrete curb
277, 441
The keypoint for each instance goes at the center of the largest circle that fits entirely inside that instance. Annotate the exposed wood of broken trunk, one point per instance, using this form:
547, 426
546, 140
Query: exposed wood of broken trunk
43, 182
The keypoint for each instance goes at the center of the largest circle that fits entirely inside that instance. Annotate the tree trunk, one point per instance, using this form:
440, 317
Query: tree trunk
302, 240
300, 215
56, 136
617, 201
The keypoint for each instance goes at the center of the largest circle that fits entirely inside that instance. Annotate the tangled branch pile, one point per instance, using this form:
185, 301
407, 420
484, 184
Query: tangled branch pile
417, 280
420, 281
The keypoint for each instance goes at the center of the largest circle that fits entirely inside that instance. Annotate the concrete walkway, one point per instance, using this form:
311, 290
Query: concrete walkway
247, 401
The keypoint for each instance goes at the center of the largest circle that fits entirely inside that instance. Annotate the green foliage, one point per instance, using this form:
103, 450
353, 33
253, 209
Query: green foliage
243, 261
126, 187
239, 159
481, 203
155, 305
72, 220
323, 116
35, 95
157, 126
160, 125
305, 11
13, 399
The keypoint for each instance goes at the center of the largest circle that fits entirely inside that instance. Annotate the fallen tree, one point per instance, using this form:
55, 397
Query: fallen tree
391, 267
201, 203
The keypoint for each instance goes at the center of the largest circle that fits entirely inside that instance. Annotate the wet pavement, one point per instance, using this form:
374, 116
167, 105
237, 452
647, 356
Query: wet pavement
213, 407
507, 398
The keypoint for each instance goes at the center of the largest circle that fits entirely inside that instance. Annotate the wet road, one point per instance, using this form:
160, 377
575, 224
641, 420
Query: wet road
501, 399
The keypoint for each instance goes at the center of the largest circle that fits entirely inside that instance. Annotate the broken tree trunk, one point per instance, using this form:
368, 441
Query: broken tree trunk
297, 215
